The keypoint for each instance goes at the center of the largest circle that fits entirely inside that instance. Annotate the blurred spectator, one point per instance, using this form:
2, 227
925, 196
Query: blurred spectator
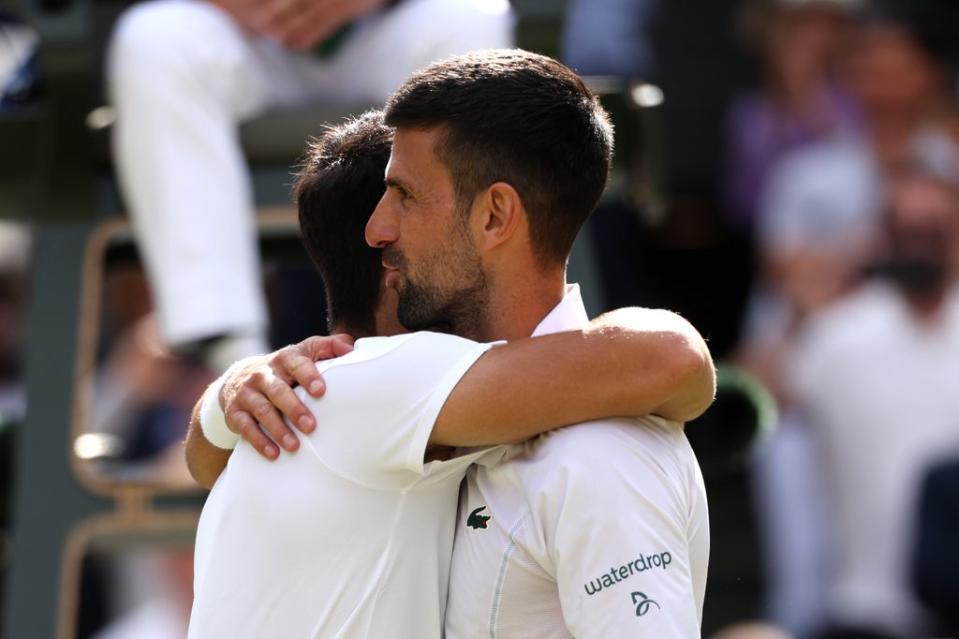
819, 217
799, 103
819, 211
143, 394
184, 73
936, 568
826, 193
142, 405
875, 375
610, 37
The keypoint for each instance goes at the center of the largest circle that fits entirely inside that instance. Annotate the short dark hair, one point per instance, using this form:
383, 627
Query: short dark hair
520, 118
337, 188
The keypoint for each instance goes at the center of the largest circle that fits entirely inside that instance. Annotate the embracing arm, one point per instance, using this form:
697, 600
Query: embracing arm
277, 372
629, 362
204, 460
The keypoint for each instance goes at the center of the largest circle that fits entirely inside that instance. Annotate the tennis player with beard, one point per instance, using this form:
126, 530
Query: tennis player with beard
497, 160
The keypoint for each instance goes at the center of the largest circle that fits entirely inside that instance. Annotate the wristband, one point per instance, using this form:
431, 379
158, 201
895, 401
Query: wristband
212, 418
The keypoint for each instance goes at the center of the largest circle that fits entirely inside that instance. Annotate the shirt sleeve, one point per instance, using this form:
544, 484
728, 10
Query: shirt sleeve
375, 419
618, 532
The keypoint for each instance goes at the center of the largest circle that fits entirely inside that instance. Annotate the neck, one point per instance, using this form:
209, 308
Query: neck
517, 308
353, 331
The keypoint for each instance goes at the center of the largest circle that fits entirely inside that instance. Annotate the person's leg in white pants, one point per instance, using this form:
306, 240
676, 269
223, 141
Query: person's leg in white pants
182, 76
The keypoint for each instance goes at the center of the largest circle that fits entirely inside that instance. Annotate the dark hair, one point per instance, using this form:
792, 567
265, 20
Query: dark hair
338, 186
520, 118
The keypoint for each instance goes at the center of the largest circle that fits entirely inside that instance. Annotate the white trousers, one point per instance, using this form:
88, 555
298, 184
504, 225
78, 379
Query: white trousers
182, 75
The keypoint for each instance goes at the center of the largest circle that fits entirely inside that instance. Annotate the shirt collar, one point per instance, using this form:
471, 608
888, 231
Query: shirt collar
568, 315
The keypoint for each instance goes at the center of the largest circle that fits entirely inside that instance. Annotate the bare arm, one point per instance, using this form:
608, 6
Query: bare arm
204, 460
630, 362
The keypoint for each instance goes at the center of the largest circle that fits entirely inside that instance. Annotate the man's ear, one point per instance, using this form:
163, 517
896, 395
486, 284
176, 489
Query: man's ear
500, 213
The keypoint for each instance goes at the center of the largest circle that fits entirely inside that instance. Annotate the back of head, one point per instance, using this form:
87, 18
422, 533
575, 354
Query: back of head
336, 190
521, 118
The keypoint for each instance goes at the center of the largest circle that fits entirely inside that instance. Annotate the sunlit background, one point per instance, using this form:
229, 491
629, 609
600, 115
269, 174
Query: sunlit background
787, 178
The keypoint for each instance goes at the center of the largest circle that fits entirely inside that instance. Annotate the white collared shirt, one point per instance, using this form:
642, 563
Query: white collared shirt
878, 389
351, 535
596, 530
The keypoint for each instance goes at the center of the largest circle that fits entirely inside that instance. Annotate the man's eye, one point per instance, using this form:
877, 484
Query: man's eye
400, 192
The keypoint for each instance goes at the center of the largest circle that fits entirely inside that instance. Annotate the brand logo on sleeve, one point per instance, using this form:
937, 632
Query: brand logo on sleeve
476, 520
642, 603
627, 570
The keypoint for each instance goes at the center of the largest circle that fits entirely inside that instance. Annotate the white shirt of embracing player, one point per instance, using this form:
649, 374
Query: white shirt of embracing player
594, 530
351, 535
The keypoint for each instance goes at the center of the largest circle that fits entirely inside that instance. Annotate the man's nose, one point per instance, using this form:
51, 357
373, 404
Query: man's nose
381, 229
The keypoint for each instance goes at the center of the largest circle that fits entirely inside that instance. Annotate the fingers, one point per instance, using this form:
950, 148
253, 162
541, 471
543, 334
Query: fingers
248, 404
303, 370
243, 11
254, 402
248, 429
296, 363
281, 396
298, 24
341, 344
318, 348
259, 398
317, 22
272, 15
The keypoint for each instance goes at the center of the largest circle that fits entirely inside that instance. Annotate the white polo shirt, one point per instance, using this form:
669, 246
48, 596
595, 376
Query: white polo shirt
351, 535
595, 530
878, 389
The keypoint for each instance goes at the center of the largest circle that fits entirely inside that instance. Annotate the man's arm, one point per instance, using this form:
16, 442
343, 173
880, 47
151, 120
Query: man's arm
204, 460
629, 362
625, 532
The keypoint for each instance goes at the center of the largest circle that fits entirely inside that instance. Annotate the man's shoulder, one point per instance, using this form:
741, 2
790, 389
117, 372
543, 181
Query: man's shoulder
589, 466
370, 349
605, 433
418, 339
609, 445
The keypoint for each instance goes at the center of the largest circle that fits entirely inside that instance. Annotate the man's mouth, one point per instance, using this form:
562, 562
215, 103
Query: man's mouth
391, 277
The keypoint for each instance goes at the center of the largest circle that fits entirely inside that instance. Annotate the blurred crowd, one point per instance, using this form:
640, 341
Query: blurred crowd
810, 230
839, 179
843, 167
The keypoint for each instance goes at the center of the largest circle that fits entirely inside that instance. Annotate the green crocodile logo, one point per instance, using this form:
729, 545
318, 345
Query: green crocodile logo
476, 520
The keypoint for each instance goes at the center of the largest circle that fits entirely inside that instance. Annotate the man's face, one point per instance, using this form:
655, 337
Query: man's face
428, 251
924, 223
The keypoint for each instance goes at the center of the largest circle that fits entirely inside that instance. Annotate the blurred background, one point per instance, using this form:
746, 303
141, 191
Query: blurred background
787, 178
